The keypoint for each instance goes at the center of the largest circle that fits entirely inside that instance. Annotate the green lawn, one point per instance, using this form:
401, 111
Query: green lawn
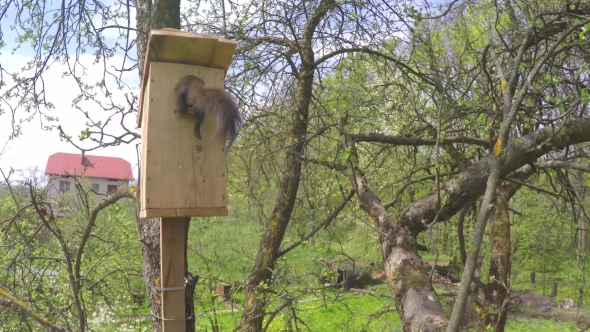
335, 311
340, 312
525, 324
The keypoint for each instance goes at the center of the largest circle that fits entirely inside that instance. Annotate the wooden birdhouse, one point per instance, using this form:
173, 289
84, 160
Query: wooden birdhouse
181, 176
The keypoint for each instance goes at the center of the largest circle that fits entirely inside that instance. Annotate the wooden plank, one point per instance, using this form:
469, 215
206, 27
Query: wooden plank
223, 54
172, 213
172, 233
143, 176
176, 46
178, 170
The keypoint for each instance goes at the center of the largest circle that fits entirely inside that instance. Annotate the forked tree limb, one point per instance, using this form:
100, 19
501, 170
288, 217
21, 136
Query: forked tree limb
470, 184
325, 223
415, 298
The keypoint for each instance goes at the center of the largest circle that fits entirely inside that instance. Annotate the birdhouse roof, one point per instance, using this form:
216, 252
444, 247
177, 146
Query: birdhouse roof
175, 46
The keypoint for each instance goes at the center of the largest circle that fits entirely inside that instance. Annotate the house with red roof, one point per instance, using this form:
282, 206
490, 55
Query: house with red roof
104, 175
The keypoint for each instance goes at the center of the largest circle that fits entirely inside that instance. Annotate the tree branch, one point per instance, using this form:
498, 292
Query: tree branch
378, 54
9, 301
411, 182
470, 184
412, 141
563, 164
323, 224
328, 164
122, 193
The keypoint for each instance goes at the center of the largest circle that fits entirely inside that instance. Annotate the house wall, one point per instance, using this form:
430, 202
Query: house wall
53, 192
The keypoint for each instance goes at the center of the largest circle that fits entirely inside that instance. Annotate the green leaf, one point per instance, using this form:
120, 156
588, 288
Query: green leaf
445, 200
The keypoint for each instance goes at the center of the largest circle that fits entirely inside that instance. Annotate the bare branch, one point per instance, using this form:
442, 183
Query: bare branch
122, 193
330, 165
323, 224
365, 50
563, 165
412, 141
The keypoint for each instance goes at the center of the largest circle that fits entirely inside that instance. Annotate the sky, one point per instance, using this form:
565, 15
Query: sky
35, 145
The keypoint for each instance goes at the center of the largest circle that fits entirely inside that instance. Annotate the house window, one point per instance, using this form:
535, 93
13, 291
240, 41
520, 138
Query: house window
64, 186
95, 187
111, 188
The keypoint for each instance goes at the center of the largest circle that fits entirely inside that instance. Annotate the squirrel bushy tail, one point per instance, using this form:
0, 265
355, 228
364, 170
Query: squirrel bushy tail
228, 116
190, 91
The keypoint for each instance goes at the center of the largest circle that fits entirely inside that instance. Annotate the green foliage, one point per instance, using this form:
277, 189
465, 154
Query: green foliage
34, 268
522, 324
333, 311
446, 77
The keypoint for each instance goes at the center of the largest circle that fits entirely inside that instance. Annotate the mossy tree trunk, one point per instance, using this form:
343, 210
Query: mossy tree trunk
415, 299
156, 15
255, 302
496, 291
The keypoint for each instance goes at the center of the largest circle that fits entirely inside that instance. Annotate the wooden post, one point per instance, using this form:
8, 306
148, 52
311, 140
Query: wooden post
172, 234
181, 176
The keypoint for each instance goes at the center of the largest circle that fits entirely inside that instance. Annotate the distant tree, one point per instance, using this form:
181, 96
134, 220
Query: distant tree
449, 102
53, 272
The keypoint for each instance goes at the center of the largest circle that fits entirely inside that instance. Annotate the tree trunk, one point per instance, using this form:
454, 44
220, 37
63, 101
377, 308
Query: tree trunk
254, 306
496, 291
152, 15
253, 313
581, 192
149, 236
415, 299
554, 289
155, 15
460, 234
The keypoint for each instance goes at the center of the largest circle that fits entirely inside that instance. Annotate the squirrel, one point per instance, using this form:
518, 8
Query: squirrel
190, 91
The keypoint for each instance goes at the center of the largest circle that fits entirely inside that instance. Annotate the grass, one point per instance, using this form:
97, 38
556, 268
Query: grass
335, 311
525, 324
352, 312
223, 249
567, 288
328, 309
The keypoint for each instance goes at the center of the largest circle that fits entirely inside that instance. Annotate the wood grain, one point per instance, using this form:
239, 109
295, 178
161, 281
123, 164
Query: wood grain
176, 46
178, 171
172, 233
172, 213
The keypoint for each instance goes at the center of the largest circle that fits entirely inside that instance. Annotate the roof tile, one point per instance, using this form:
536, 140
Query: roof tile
96, 166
